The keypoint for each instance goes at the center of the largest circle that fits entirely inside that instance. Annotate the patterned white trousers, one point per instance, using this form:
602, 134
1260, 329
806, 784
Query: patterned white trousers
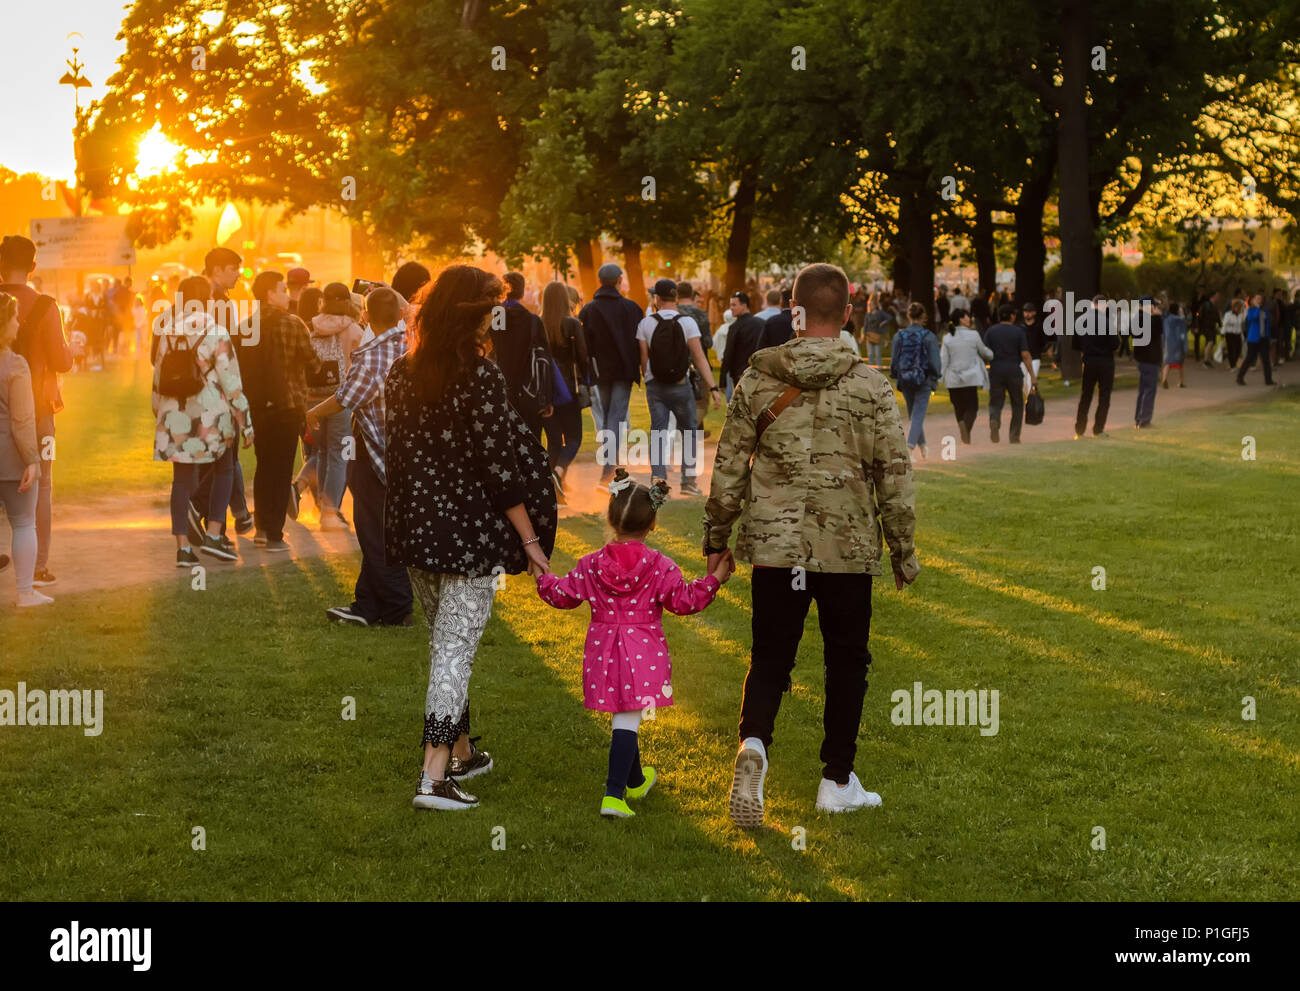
457, 610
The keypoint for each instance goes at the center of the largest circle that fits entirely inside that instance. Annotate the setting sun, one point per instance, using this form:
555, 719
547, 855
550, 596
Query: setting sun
155, 154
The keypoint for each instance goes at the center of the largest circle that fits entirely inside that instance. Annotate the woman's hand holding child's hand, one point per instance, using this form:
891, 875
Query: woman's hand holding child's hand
538, 564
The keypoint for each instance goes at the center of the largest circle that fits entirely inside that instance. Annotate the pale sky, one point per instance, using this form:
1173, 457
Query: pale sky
36, 136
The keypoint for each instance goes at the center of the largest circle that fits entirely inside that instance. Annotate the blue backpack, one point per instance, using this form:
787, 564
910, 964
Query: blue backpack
911, 357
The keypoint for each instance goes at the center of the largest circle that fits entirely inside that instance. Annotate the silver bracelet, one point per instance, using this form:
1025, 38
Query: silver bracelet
532, 540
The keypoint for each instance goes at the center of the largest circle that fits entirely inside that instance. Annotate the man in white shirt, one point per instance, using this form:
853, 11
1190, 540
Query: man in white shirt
959, 300
665, 366
773, 307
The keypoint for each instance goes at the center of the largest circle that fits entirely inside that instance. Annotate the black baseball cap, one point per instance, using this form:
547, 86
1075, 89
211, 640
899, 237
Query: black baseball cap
665, 289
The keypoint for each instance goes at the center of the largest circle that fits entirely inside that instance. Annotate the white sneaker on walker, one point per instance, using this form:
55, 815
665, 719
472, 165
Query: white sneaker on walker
832, 797
746, 800
33, 598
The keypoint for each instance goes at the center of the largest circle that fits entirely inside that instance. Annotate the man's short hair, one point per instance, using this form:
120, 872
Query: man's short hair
17, 253
685, 290
1005, 312
384, 306
786, 296
773, 297
219, 258
409, 278
741, 295
823, 292
264, 283
515, 281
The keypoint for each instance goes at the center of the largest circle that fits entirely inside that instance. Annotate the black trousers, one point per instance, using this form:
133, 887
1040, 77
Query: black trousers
965, 404
383, 593
1007, 382
1099, 375
275, 441
1233, 348
1256, 349
780, 606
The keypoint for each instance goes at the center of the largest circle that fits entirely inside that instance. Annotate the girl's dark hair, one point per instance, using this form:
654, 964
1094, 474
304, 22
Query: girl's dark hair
309, 304
917, 313
955, 318
195, 289
449, 324
634, 508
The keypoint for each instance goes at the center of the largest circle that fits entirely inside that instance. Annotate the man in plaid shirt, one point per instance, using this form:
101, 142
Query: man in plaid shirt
274, 370
383, 592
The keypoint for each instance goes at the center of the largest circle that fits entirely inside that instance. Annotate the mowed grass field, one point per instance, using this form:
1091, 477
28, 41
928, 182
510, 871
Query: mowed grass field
1120, 709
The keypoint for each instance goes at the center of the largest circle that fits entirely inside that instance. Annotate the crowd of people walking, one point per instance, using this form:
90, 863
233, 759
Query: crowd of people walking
452, 410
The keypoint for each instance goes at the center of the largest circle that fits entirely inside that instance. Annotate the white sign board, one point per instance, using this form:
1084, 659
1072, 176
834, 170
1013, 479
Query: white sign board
82, 242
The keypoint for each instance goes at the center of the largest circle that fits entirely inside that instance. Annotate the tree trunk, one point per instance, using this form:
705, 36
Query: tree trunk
587, 281
1079, 271
635, 279
1031, 250
916, 248
986, 261
742, 228
1078, 236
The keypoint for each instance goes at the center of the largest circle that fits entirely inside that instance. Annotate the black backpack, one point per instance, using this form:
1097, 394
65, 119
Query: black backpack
178, 375
539, 388
670, 358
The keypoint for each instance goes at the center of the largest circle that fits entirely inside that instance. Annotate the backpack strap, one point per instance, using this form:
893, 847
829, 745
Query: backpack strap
769, 415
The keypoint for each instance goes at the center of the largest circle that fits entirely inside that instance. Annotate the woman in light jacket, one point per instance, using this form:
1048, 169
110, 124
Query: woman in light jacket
335, 334
197, 433
962, 356
1234, 319
20, 460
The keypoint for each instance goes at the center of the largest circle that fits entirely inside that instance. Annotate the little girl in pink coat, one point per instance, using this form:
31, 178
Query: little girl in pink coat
626, 666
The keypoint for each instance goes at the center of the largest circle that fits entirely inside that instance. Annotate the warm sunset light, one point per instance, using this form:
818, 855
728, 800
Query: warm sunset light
649, 451
155, 154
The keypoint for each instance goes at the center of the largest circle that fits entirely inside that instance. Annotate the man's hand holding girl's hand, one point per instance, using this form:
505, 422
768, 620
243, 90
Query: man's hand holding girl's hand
724, 567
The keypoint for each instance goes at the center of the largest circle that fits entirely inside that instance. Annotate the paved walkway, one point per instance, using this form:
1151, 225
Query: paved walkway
111, 547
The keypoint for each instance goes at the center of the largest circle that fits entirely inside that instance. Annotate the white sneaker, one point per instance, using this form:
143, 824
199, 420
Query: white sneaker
832, 797
747, 784
34, 598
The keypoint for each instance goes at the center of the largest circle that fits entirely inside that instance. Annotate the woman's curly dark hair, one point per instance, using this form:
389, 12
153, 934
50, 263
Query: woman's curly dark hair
452, 315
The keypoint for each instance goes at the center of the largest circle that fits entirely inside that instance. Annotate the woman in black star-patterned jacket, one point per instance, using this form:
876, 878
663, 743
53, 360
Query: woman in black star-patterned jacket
470, 497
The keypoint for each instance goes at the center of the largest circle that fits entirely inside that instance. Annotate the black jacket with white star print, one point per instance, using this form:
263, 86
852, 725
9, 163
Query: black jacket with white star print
454, 467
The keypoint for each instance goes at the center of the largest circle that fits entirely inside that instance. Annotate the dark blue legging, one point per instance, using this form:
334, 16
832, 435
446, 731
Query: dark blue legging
563, 434
185, 481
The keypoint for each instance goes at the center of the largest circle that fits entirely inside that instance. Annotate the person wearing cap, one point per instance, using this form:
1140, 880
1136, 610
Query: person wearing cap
744, 337
668, 393
297, 279
610, 324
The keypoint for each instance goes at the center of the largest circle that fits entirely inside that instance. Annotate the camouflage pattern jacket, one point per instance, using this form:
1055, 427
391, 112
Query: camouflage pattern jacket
831, 472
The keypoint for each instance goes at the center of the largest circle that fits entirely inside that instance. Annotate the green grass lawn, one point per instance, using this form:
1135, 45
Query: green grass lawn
1119, 708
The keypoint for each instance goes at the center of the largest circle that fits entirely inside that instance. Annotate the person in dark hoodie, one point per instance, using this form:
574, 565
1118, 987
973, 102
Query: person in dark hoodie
813, 464
1098, 349
609, 322
513, 341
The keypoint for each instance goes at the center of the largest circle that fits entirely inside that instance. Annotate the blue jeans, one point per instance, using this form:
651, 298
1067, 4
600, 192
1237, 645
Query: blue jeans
679, 400
327, 453
918, 401
612, 417
1148, 379
875, 353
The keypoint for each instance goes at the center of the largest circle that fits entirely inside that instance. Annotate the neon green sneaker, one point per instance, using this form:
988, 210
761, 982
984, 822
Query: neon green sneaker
640, 790
611, 806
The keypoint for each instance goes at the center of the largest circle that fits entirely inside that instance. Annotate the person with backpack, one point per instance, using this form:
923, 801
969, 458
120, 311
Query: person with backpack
670, 345
41, 343
519, 349
199, 408
687, 308
915, 363
1011, 365
610, 321
811, 527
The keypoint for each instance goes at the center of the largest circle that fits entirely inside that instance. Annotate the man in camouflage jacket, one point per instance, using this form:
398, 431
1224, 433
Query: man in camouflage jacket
830, 472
